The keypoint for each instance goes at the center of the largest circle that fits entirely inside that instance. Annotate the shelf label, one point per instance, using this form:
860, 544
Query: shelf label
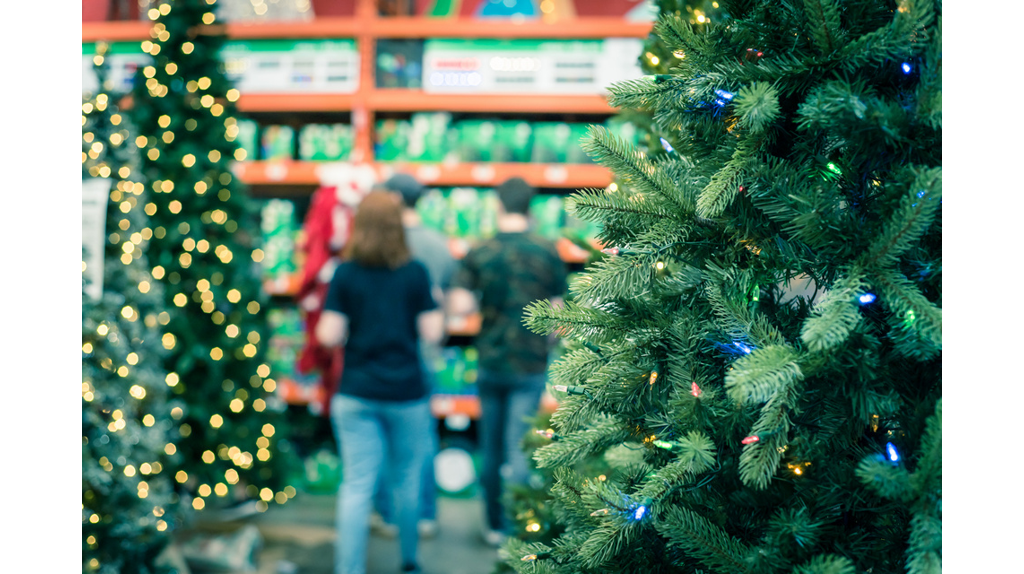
428, 173
556, 174
276, 171
482, 173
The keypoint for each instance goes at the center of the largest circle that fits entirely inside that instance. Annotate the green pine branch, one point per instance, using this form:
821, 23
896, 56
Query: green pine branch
826, 564
823, 24
698, 537
757, 377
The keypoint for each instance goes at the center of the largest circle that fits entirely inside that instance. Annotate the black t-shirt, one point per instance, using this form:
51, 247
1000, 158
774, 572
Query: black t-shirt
381, 354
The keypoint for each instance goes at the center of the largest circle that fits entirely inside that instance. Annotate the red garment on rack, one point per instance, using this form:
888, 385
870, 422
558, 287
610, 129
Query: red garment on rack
326, 228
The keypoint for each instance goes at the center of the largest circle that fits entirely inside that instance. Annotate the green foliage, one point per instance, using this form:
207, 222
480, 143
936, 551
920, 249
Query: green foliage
203, 250
129, 507
802, 151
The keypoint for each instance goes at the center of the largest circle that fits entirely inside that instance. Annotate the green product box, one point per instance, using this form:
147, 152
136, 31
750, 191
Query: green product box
318, 142
512, 141
472, 371
433, 209
550, 142
392, 140
248, 137
476, 140
428, 136
277, 223
547, 212
466, 206
278, 142
488, 213
575, 153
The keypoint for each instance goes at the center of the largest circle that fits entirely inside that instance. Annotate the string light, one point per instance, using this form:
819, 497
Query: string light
751, 439
867, 298
906, 68
891, 452
666, 146
653, 378
640, 511
694, 389
572, 390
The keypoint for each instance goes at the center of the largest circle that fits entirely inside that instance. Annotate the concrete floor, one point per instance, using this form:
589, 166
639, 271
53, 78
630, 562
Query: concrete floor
298, 538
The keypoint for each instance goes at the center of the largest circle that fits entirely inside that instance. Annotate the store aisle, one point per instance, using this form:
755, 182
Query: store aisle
299, 539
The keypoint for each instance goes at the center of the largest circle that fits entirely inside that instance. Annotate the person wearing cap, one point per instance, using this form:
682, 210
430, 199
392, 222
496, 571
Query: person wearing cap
430, 248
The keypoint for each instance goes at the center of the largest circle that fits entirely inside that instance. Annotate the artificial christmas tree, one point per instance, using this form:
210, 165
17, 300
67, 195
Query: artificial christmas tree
128, 453
765, 333
204, 252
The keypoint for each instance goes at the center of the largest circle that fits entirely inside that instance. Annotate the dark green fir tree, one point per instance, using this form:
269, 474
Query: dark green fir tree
534, 518
766, 330
205, 253
128, 453
658, 58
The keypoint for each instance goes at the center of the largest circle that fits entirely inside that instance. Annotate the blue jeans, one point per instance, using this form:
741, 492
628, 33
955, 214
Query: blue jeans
506, 400
428, 482
367, 432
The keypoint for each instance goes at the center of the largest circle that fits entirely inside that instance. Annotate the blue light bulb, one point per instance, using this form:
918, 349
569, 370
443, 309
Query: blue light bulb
743, 348
906, 68
724, 94
867, 298
894, 454
666, 145
640, 512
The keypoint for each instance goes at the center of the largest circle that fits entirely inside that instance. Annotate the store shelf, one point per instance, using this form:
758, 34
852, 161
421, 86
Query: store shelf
399, 27
407, 100
580, 28
295, 102
556, 175
120, 31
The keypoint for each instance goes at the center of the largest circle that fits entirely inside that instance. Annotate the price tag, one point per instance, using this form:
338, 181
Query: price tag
482, 173
276, 171
556, 174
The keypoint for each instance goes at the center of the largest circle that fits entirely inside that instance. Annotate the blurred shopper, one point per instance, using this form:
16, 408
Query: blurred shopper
500, 277
379, 306
430, 248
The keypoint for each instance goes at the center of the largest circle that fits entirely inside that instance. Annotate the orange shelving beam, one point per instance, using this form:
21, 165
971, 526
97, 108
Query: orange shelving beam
395, 27
553, 175
408, 100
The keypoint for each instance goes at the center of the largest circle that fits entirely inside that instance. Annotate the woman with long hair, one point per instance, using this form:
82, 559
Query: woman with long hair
379, 306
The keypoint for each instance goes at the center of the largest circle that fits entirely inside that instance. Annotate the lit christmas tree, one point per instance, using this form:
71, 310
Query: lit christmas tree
766, 330
128, 452
204, 252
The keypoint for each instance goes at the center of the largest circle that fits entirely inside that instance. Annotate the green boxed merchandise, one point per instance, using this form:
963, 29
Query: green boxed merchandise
512, 141
466, 210
277, 222
550, 142
392, 140
248, 137
475, 139
547, 211
319, 142
433, 209
429, 137
488, 212
456, 371
574, 152
278, 142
